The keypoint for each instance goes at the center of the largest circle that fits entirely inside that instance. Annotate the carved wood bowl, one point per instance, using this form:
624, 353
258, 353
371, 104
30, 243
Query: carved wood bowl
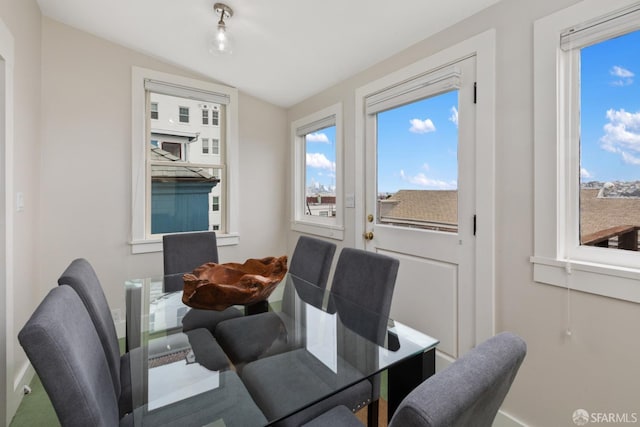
218, 286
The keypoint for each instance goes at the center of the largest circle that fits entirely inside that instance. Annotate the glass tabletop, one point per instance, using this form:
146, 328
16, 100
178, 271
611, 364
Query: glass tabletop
189, 378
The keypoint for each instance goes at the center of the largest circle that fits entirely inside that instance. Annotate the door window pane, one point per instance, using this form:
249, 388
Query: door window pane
610, 143
320, 173
417, 168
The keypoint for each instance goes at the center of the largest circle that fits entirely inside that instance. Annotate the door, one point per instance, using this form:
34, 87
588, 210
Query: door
420, 198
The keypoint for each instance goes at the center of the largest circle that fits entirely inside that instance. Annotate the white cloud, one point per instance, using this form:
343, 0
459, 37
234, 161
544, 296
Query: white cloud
320, 161
585, 173
422, 126
624, 76
426, 166
428, 183
622, 135
318, 137
630, 159
454, 116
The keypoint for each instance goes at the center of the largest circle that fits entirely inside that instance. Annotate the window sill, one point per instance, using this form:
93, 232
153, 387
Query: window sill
155, 245
600, 279
330, 231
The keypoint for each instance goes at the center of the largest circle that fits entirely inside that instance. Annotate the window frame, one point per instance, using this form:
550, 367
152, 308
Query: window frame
139, 241
330, 227
558, 257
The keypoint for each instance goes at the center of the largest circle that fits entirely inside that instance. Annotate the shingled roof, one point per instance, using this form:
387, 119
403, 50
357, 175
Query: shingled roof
178, 173
601, 213
431, 208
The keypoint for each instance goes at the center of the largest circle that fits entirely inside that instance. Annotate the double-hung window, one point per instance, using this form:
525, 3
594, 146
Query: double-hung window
587, 127
317, 206
176, 179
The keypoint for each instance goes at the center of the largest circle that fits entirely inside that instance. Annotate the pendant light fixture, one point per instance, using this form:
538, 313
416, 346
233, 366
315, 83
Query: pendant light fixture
222, 42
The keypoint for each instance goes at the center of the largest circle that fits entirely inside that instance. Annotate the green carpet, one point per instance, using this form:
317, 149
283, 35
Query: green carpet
36, 409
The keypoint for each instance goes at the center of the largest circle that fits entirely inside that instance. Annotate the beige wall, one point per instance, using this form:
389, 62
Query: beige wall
86, 162
22, 19
597, 368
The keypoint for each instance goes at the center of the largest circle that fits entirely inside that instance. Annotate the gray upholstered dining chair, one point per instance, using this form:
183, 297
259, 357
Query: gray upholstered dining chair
280, 384
63, 346
82, 278
467, 393
65, 351
248, 338
182, 253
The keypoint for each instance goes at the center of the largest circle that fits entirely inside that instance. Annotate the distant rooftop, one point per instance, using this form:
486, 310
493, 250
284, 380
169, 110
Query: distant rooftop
178, 173
433, 208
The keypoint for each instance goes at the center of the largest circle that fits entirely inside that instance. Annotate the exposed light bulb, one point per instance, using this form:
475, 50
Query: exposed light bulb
222, 42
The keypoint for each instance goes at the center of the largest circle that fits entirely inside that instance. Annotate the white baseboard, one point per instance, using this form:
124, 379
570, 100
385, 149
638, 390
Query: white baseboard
23, 377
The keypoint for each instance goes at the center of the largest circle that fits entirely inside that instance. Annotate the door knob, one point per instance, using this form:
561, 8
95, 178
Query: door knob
368, 235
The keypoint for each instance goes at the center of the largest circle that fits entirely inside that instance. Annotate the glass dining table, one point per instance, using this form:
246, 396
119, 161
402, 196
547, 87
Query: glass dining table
177, 379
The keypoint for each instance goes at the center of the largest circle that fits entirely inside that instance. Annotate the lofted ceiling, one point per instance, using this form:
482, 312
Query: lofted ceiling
284, 50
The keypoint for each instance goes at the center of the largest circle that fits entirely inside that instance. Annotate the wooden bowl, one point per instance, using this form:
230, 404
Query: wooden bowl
218, 286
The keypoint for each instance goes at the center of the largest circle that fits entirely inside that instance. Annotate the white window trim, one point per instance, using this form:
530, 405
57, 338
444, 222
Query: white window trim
556, 262
140, 242
327, 227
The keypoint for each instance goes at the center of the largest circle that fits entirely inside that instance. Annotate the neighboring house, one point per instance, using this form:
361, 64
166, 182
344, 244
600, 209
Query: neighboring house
179, 195
185, 131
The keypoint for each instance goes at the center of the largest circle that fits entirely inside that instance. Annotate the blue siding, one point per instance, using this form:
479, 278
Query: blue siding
180, 206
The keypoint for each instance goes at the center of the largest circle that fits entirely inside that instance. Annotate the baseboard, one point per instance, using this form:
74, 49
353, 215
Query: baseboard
22, 378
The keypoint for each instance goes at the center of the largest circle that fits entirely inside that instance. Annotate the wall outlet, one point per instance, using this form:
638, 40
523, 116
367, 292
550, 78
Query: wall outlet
116, 314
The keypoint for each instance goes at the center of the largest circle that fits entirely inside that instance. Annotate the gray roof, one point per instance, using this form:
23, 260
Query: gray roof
178, 173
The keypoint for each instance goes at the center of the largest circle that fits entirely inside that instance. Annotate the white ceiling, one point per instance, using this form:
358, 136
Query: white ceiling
284, 50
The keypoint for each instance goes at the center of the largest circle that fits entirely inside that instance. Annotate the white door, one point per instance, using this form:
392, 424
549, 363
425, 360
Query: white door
420, 198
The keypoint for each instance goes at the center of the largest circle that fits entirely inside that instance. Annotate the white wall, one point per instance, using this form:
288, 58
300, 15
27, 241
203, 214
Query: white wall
597, 368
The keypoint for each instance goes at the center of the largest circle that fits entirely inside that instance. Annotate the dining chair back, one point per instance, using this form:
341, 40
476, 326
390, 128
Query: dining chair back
81, 276
468, 392
364, 282
66, 353
182, 253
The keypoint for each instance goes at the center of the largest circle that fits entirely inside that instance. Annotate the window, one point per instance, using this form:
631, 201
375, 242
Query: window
317, 183
173, 190
205, 117
184, 114
215, 146
173, 148
587, 128
154, 110
214, 118
205, 146
215, 204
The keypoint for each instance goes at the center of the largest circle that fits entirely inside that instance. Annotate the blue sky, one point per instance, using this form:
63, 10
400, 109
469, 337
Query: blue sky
610, 110
418, 145
321, 158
